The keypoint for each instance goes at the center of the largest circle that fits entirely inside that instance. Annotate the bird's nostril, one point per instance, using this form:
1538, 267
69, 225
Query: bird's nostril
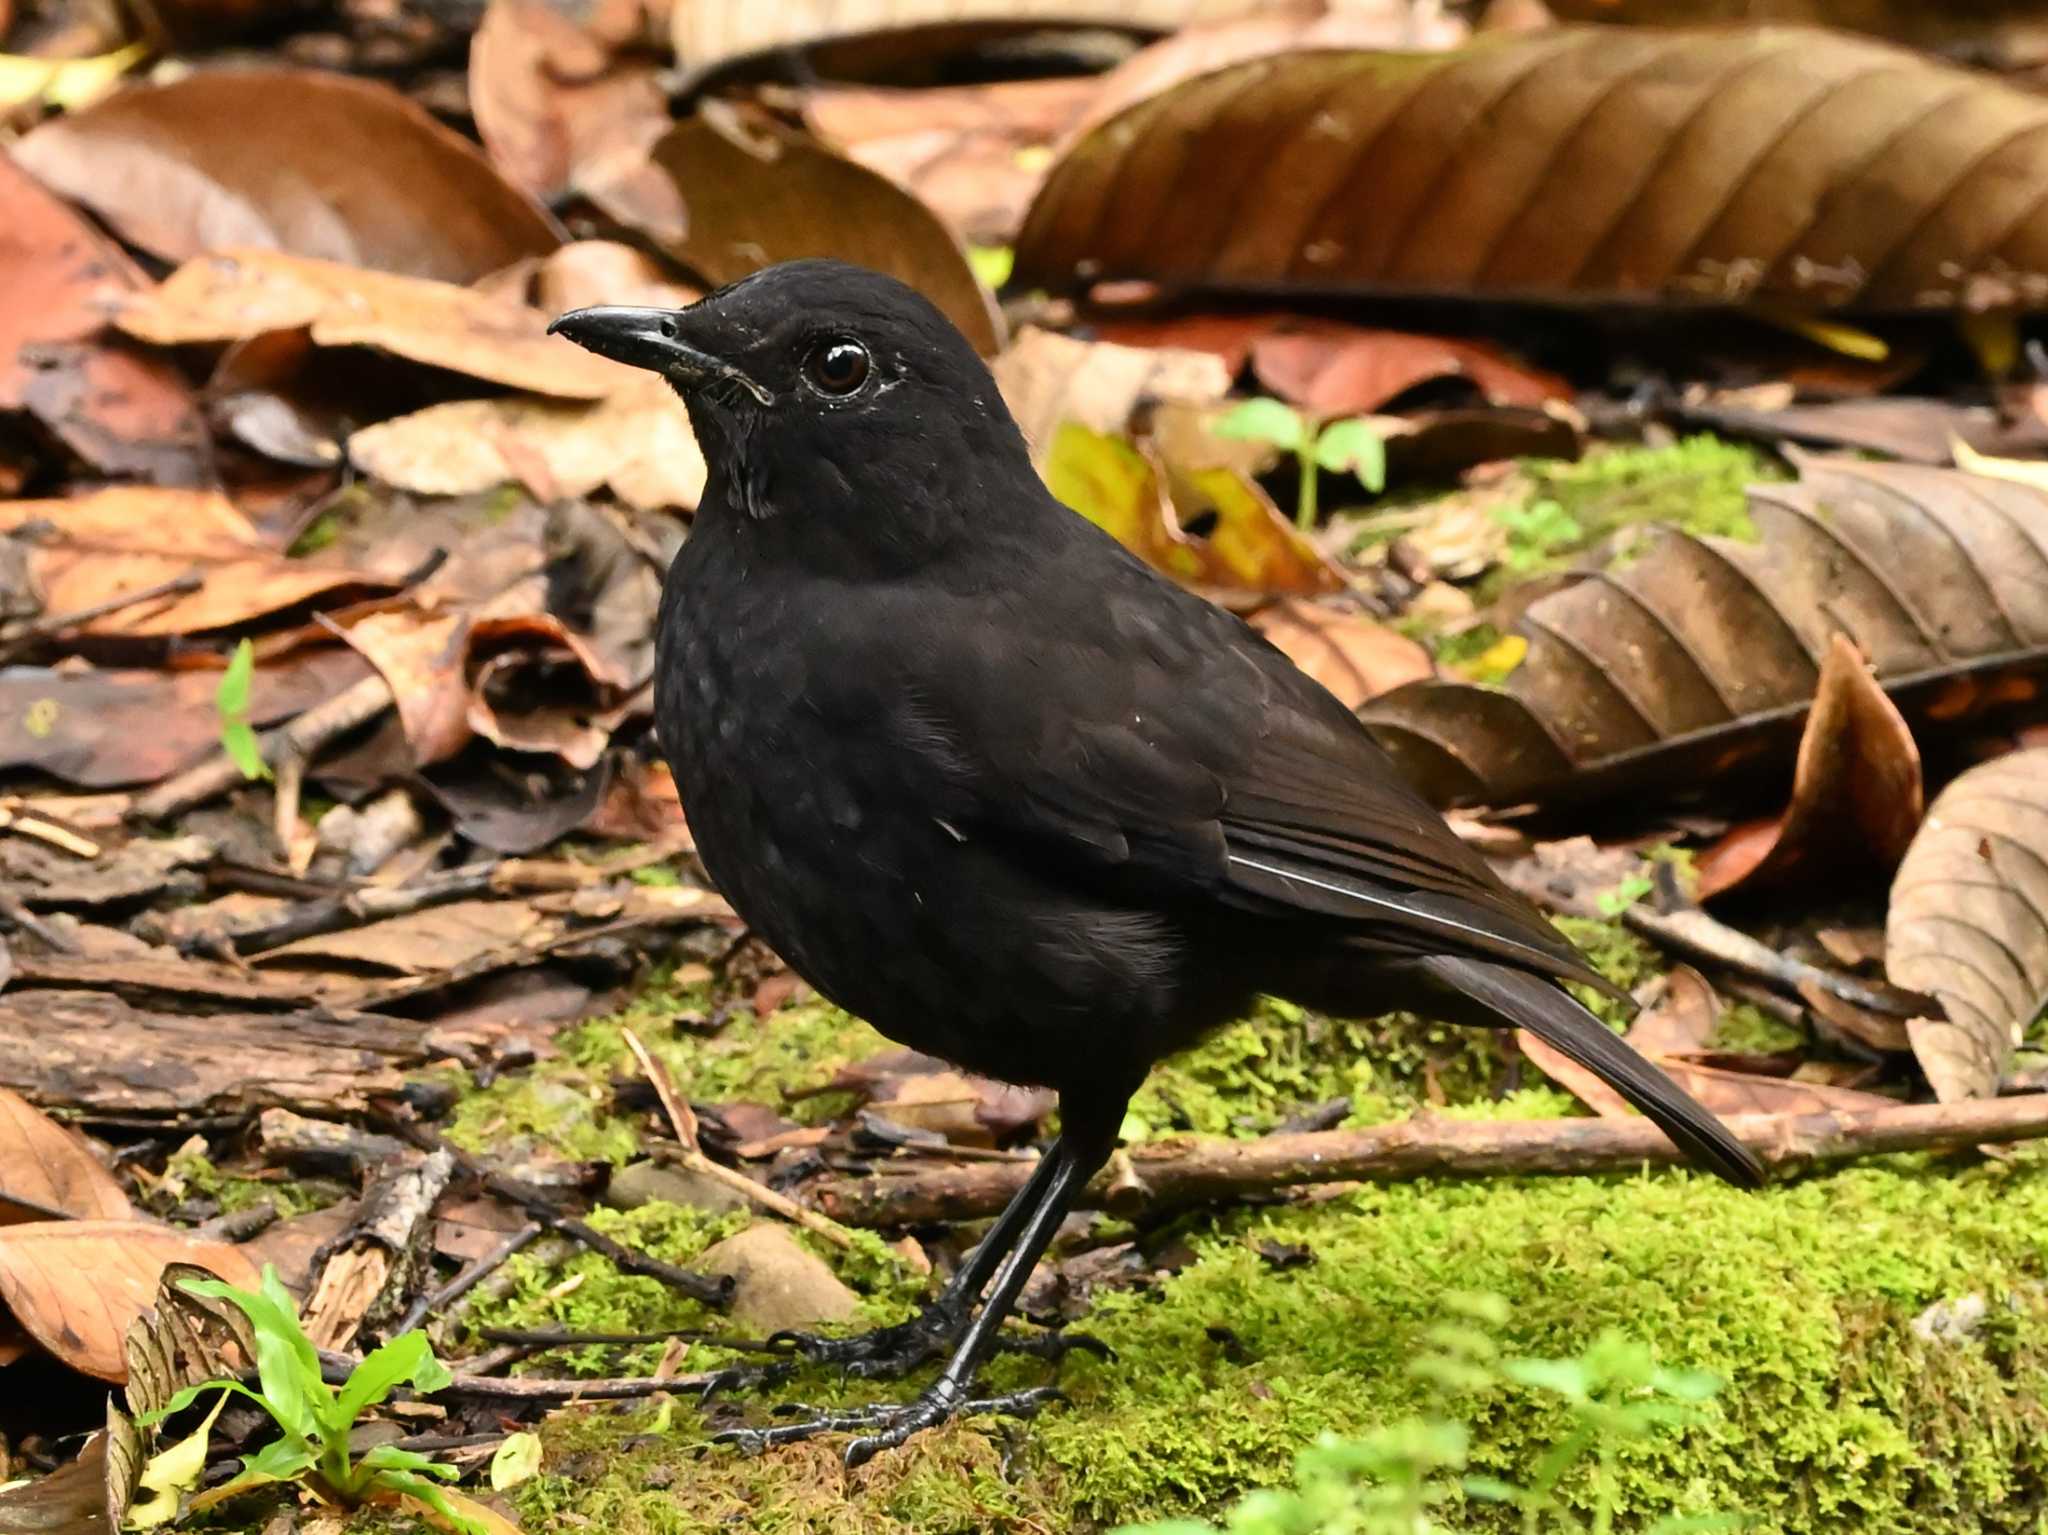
668, 329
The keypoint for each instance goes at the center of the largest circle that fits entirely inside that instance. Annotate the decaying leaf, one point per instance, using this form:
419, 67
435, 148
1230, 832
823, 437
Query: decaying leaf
2005, 34
1857, 797
973, 154
312, 162
1969, 922
1047, 378
1693, 659
1122, 488
93, 548
1747, 1092
1354, 656
553, 107
48, 1169
758, 192
76, 1286
637, 441
1796, 167
235, 295
421, 942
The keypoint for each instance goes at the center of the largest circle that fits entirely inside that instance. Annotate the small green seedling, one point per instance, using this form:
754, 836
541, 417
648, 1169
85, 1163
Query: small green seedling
315, 1418
1342, 447
237, 735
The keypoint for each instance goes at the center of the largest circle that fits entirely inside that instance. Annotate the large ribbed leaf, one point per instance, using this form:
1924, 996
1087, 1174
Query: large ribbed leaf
1695, 658
1786, 165
1969, 922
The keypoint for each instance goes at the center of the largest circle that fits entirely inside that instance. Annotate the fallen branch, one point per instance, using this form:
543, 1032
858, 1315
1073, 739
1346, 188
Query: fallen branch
1191, 1172
1701, 936
433, 1302
306, 736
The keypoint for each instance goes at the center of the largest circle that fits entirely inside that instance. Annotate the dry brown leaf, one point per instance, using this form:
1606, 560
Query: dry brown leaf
312, 162
425, 658
2004, 34
758, 192
103, 728
641, 804
586, 272
1693, 659
77, 1286
1679, 1021
1969, 922
973, 154
1857, 797
422, 942
1333, 369
638, 441
1582, 1084
1742, 1092
860, 39
554, 108
48, 1169
128, 538
236, 295
1047, 379
62, 278
1781, 165
1354, 656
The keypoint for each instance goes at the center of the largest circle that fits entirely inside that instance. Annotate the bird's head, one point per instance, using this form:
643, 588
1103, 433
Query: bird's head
822, 392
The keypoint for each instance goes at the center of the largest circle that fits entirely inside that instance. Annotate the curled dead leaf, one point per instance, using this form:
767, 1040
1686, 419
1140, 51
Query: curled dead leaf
234, 295
1969, 922
1799, 167
308, 161
77, 1286
48, 1169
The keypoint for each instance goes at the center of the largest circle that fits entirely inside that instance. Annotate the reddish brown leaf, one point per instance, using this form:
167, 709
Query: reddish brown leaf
238, 295
554, 109
1679, 1022
1968, 922
62, 277
425, 657
76, 1286
311, 162
641, 805
1740, 1092
1856, 791
130, 538
1575, 1079
48, 1169
1355, 657
1802, 168
1333, 369
1695, 658
121, 412
758, 192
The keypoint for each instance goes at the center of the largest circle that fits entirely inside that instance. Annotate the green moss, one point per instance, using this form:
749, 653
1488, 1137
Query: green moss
1617, 954
556, 1107
1248, 1076
1744, 1026
1697, 484
193, 1173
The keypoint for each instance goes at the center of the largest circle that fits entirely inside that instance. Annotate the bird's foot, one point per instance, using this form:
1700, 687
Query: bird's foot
890, 1353
893, 1423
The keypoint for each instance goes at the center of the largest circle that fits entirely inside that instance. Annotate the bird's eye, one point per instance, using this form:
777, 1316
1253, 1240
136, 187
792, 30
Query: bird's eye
837, 367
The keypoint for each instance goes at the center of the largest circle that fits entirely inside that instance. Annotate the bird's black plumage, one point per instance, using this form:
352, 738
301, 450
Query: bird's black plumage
985, 779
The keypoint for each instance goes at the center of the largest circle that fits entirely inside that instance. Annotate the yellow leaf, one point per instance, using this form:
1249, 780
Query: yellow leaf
517, 1460
2020, 471
1832, 334
67, 83
1994, 339
170, 1472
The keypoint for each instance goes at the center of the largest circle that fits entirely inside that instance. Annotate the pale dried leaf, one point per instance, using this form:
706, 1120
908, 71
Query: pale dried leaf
48, 1169
1047, 378
1969, 922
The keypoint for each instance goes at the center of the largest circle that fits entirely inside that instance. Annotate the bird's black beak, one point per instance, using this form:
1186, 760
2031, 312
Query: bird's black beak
651, 339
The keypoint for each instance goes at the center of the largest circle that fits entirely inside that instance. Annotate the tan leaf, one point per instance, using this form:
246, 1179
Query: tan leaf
1857, 797
586, 272
129, 538
1681, 1020
238, 294
424, 656
1803, 168
48, 1169
758, 192
638, 441
2004, 34
308, 161
76, 1286
1969, 922
1582, 1084
423, 942
1355, 657
1742, 1092
973, 154
550, 102
1691, 659
1047, 378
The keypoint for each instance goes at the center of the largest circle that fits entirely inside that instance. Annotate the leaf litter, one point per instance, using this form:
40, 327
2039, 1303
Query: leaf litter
381, 947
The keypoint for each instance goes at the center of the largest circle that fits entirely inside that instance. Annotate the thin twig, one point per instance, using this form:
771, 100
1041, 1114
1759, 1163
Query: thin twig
528, 1388
15, 817
434, 1300
354, 706
691, 1155
358, 908
1170, 1173
15, 910
57, 623
1701, 936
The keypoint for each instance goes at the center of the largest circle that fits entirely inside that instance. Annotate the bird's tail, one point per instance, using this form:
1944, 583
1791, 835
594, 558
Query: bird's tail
1545, 1010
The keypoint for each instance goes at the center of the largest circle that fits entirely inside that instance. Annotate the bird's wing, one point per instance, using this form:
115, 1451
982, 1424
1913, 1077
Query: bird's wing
1161, 740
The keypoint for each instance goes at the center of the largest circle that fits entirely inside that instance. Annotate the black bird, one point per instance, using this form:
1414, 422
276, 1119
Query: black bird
984, 779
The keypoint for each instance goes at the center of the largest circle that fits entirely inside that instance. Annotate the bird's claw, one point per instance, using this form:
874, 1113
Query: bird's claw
894, 1422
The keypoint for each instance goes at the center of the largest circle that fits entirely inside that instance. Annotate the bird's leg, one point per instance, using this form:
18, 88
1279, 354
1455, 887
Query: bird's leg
1073, 1160
890, 1352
